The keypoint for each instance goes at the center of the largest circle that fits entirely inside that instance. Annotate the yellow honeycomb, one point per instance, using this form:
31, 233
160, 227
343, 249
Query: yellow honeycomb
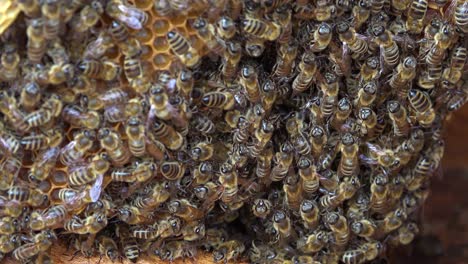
9, 10
156, 50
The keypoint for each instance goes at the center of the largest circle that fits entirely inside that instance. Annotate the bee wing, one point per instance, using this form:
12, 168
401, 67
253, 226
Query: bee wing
131, 22
451, 8
381, 61
95, 191
49, 155
130, 17
93, 49
375, 148
75, 201
367, 160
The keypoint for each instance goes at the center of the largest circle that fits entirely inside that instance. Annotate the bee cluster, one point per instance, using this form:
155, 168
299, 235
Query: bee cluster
285, 131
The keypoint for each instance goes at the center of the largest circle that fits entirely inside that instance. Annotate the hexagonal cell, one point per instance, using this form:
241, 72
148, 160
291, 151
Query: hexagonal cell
59, 178
113, 53
144, 35
197, 43
178, 20
161, 60
147, 52
44, 186
54, 195
143, 4
160, 44
160, 27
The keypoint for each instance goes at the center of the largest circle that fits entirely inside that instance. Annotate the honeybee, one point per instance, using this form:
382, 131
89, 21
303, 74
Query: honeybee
225, 27
349, 36
228, 178
397, 114
205, 32
322, 37
8, 243
364, 228
44, 258
184, 209
50, 109
172, 170
389, 48
132, 17
314, 242
261, 28
416, 14
379, 192
283, 161
88, 17
293, 192
407, 233
26, 251
203, 173
177, 249
145, 232
51, 14
249, 80
86, 174
10, 145
460, 16
261, 208
104, 70
453, 73
30, 96
393, 220
349, 160
423, 168
308, 69
129, 245
231, 57
370, 69
36, 46
339, 226
285, 59
263, 134
182, 48
366, 252
229, 250
308, 175
49, 218
193, 231
131, 215
135, 131
222, 100
367, 120
111, 141
366, 95
107, 247
309, 212
108, 98
31, 8
74, 151
342, 112
421, 103
76, 116
330, 91
405, 73
8, 226
254, 46
9, 61
202, 151
167, 135
328, 180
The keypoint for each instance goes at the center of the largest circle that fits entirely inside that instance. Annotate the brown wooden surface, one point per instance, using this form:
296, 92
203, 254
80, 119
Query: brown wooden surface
444, 237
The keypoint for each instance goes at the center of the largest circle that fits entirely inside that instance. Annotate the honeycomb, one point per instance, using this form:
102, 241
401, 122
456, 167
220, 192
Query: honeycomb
270, 130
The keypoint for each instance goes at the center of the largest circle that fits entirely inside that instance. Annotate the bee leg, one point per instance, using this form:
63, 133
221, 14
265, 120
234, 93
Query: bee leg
74, 255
